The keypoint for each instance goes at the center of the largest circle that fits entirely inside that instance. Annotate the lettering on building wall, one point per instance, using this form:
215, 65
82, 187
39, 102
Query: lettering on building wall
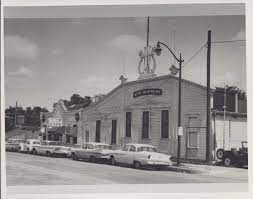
147, 91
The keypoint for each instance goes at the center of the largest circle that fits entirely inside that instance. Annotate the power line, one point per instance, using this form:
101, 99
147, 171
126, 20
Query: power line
228, 41
195, 54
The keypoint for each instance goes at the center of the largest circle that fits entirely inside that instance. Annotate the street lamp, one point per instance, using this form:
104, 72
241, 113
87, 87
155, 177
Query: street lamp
174, 70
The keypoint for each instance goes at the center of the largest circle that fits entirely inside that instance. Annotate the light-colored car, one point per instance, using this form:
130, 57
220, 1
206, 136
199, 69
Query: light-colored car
29, 146
13, 144
52, 149
93, 151
140, 156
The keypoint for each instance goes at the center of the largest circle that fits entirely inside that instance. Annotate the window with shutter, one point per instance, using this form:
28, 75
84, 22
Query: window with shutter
128, 123
145, 125
165, 124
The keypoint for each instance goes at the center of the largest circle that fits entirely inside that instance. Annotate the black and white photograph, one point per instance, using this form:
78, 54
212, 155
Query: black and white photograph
135, 99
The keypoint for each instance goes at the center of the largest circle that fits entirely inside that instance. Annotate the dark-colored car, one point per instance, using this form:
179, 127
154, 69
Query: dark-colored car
234, 156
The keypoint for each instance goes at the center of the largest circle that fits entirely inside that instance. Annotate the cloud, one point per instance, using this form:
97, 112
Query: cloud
22, 71
241, 35
227, 79
57, 51
127, 43
17, 47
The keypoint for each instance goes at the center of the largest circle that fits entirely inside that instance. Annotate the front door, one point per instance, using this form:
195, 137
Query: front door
87, 136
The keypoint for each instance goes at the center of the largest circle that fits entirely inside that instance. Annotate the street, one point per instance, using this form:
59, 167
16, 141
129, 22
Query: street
26, 169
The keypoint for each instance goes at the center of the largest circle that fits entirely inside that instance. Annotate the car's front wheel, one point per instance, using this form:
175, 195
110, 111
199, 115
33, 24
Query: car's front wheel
112, 161
92, 159
137, 165
34, 152
48, 154
73, 155
227, 162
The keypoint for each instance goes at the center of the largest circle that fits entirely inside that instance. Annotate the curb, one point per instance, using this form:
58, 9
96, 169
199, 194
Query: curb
182, 170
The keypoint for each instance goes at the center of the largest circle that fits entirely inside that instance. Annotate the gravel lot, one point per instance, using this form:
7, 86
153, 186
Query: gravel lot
25, 169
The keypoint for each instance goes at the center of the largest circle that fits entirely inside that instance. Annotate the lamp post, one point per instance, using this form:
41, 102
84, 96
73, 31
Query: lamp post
174, 70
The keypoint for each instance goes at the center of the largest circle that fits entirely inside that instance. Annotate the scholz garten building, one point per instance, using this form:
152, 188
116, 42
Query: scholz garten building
146, 111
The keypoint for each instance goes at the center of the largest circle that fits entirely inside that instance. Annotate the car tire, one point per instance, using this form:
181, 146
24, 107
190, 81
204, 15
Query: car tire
220, 154
112, 161
34, 152
92, 159
48, 154
73, 155
227, 161
137, 165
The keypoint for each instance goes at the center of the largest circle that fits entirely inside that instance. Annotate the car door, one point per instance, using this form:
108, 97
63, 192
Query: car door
81, 151
130, 155
89, 151
120, 155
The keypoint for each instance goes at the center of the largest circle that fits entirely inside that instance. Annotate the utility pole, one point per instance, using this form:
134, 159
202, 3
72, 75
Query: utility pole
15, 115
208, 97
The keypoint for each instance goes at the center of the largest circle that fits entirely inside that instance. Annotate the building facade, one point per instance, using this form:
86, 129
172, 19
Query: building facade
146, 111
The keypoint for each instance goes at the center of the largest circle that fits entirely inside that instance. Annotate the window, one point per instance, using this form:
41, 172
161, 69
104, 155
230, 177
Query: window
128, 123
165, 124
144, 148
87, 136
114, 132
74, 140
68, 139
98, 127
28, 142
193, 122
145, 125
126, 148
89, 146
132, 148
192, 139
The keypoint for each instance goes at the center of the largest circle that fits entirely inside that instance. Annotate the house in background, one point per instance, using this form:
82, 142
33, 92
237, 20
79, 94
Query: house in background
229, 124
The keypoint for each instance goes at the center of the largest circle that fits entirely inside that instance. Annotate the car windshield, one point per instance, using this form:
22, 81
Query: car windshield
125, 148
16, 141
36, 142
146, 148
103, 146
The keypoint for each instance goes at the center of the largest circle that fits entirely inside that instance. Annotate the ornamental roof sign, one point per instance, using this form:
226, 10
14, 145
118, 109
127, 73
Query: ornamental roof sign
146, 57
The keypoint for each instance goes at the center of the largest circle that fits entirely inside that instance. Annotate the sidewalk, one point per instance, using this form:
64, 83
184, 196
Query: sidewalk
206, 169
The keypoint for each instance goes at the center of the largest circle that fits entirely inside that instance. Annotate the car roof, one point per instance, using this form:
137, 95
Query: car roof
15, 139
140, 145
97, 143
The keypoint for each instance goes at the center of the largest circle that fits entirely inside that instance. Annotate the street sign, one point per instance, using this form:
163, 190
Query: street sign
180, 130
42, 130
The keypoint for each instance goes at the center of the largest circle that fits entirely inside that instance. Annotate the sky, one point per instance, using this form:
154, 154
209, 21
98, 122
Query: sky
50, 59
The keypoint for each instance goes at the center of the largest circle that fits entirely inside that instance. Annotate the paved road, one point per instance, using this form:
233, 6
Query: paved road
25, 169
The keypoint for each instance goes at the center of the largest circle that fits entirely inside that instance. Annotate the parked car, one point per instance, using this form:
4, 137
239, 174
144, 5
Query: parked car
140, 156
52, 149
29, 146
234, 157
13, 144
93, 151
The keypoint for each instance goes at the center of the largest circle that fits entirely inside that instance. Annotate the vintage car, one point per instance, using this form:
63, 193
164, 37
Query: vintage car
140, 156
92, 151
52, 149
234, 156
29, 146
13, 144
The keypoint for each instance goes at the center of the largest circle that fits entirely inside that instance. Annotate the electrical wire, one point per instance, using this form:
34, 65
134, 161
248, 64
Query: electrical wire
228, 41
195, 54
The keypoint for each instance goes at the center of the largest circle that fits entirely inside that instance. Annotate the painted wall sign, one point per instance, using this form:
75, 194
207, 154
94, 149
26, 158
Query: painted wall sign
54, 122
147, 91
